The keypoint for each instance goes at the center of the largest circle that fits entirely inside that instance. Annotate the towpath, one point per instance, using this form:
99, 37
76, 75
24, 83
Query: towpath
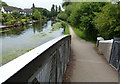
86, 65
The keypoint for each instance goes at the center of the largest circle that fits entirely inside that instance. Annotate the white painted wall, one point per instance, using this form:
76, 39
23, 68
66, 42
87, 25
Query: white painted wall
3, 10
105, 47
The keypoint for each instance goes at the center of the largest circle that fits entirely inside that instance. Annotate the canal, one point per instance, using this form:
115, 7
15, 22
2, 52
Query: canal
19, 40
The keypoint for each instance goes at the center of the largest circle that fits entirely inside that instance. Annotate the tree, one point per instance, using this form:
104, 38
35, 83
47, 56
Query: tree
37, 15
65, 4
62, 16
16, 13
4, 4
107, 21
59, 9
53, 10
33, 7
56, 9
81, 16
44, 12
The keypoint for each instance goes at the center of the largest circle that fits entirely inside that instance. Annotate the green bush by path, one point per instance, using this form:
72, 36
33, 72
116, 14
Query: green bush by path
83, 35
93, 19
107, 22
67, 32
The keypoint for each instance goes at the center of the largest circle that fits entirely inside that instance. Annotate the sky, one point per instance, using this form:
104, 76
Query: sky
28, 3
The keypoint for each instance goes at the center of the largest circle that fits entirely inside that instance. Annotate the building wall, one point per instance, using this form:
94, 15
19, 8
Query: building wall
3, 10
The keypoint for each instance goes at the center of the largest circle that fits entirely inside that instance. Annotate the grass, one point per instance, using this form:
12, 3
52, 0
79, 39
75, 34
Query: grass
79, 33
82, 35
65, 26
67, 32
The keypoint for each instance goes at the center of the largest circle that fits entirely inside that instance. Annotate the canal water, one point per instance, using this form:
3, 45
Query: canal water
19, 40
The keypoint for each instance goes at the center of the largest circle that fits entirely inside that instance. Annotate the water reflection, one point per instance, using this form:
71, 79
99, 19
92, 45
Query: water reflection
19, 40
37, 27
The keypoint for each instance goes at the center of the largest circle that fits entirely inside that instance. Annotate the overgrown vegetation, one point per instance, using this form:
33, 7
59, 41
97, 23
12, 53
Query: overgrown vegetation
91, 20
65, 26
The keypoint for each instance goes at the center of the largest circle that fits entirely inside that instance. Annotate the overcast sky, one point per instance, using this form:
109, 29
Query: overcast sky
28, 3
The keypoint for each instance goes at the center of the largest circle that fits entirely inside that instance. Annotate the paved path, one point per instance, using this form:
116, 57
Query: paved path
86, 65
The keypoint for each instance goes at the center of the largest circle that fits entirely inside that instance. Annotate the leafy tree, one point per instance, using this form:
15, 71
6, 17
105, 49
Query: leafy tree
81, 16
59, 9
33, 7
62, 16
37, 15
53, 10
56, 11
8, 19
16, 13
44, 12
65, 4
3, 4
107, 21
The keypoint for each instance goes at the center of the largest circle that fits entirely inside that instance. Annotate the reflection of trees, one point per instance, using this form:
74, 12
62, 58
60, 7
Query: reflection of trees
37, 26
53, 22
13, 31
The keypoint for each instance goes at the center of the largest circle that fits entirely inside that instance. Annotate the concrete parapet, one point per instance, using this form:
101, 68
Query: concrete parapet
104, 47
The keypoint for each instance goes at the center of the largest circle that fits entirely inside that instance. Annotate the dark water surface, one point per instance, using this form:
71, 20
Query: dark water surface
19, 40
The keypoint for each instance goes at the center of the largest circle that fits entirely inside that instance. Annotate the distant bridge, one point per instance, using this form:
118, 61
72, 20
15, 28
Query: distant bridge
46, 63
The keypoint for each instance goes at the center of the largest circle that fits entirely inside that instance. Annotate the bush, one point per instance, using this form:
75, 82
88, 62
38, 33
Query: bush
37, 15
23, 20
62, 16
107, 21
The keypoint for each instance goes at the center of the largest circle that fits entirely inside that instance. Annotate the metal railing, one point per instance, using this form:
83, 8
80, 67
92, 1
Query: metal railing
115, 54
46, 63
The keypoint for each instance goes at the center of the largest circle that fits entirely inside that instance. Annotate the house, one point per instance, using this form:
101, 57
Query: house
115, 1
9, 10
28, 11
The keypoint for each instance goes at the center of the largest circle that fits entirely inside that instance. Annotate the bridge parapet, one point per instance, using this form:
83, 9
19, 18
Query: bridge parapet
46, 63
111, 50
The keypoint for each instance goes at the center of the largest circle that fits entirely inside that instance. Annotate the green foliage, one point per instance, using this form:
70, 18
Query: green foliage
59, 10
23, 20
93, 19
83, 35
62, 16
65, 26
65, 4
16, 13
56, 26
44, 12
37, 15
8, 19
53, 12
107, 21
3, 3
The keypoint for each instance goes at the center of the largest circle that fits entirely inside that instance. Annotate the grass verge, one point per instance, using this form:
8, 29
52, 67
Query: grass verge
65, 26
82, 35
